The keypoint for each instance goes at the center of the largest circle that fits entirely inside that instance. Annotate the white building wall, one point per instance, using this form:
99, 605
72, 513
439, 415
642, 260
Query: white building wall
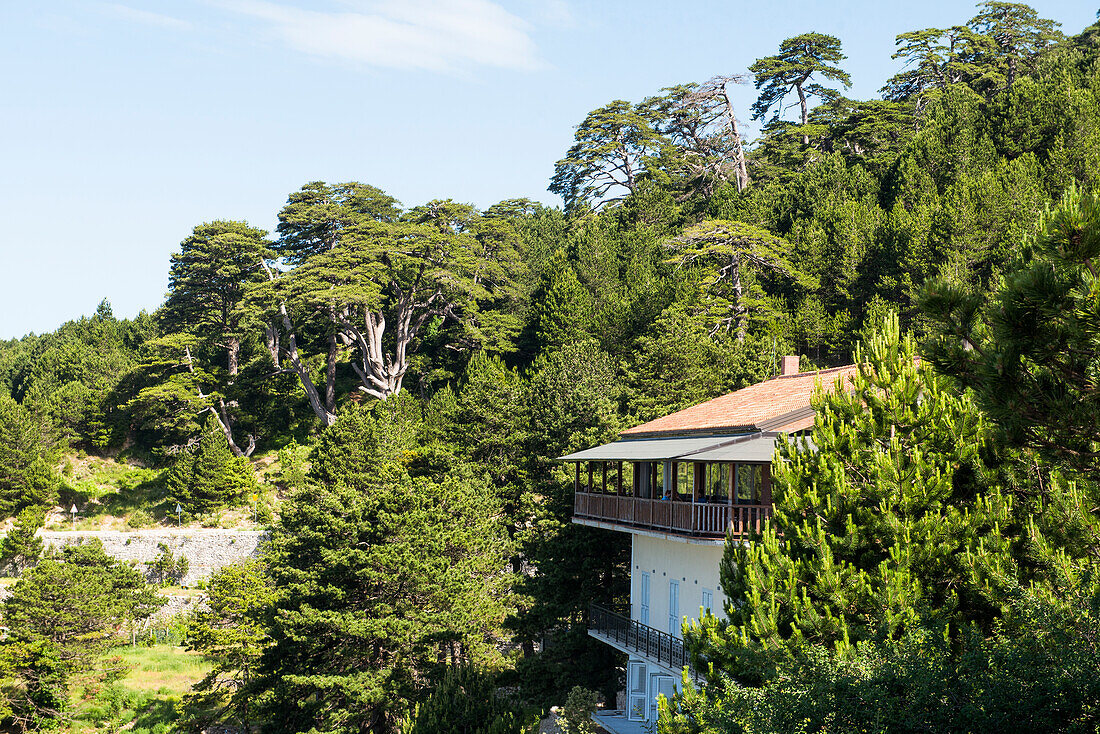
694, 565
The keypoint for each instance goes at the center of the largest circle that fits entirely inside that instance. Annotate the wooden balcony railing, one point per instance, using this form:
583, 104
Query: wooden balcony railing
658, 646
701, 519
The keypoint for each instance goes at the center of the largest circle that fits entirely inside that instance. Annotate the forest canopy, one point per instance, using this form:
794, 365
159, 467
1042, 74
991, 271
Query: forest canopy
415, 370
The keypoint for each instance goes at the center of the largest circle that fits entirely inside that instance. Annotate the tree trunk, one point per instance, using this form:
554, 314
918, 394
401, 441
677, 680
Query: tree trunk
738, 292
326, 416
330, 375
742, 171
271, 339
805, 112
222, 416
233, 353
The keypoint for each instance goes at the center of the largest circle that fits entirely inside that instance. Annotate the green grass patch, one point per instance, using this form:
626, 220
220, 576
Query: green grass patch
164, 669
148, 699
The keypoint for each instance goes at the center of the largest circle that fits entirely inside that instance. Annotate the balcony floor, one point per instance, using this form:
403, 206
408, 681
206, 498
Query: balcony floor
615, 722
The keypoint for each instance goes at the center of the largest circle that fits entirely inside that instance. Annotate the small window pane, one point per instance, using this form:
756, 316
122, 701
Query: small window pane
683, 479
719, 475
749, 479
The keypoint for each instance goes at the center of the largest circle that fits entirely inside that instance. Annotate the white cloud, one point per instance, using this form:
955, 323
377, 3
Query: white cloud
435, 35
147, 17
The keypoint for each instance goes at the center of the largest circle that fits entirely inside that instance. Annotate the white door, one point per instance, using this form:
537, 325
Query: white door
659, 684
636, 693
674, 608
643, 601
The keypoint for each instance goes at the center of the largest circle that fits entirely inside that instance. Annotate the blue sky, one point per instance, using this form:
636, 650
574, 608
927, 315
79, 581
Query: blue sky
124, 124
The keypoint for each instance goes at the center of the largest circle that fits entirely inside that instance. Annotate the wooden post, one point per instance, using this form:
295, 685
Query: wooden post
604, 472
577, 479
590, 477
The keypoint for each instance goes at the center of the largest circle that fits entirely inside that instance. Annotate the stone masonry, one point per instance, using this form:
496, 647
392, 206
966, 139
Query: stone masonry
206, 550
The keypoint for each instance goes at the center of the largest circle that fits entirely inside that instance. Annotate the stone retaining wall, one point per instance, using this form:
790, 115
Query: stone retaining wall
206, 550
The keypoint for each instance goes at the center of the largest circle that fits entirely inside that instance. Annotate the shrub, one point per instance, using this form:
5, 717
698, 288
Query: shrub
466, 702
576, 715
140, 519
21, 547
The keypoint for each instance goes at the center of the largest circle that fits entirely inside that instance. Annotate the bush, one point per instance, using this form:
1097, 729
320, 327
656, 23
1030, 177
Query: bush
576, 715
166, 568
466, 702
21, 547
140, 519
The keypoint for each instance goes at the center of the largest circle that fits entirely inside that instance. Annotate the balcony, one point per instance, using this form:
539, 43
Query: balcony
638, 639
710, 520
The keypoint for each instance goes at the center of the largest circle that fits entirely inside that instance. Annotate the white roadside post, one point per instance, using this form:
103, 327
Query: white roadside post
73, 512
255, 506
178, 511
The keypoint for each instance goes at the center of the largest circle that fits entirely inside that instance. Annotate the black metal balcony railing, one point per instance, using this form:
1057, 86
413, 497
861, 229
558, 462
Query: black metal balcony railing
648, 642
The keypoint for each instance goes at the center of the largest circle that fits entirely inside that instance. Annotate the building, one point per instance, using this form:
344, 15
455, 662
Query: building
678, 485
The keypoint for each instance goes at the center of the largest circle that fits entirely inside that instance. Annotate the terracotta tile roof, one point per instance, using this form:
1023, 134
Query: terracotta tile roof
783, 401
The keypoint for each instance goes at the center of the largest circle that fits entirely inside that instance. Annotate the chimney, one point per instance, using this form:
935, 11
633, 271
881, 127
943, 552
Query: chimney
790, 365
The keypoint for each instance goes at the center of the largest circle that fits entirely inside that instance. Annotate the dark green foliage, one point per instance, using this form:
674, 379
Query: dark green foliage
315, 216
27, 453
61, 617
572, 405
576, 714
1031, 351
1041, 677
21, 547
231, 631
207, 282
466, 701
810, 56
888, 523
209, 476
66, 377
563, 311
167, 568
606, 163
380, 578
926, 578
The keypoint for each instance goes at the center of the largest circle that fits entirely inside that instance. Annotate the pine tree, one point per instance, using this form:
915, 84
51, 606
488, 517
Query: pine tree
572, 405
61, 617
231, 631
21, 546
381, 578
27, 453
561, 311
209, 476
799, 59
890, 520
1031, 352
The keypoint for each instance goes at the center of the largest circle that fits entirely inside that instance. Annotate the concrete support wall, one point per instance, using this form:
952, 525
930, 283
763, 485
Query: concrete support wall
206, 550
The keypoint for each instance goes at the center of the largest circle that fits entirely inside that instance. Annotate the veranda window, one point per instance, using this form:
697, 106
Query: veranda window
750, 478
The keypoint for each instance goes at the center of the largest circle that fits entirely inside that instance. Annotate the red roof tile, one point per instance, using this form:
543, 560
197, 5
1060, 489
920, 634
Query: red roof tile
750, 408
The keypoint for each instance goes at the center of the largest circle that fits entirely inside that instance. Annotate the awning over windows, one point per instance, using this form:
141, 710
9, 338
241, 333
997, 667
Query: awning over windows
749, 447
649, 449
754, 449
